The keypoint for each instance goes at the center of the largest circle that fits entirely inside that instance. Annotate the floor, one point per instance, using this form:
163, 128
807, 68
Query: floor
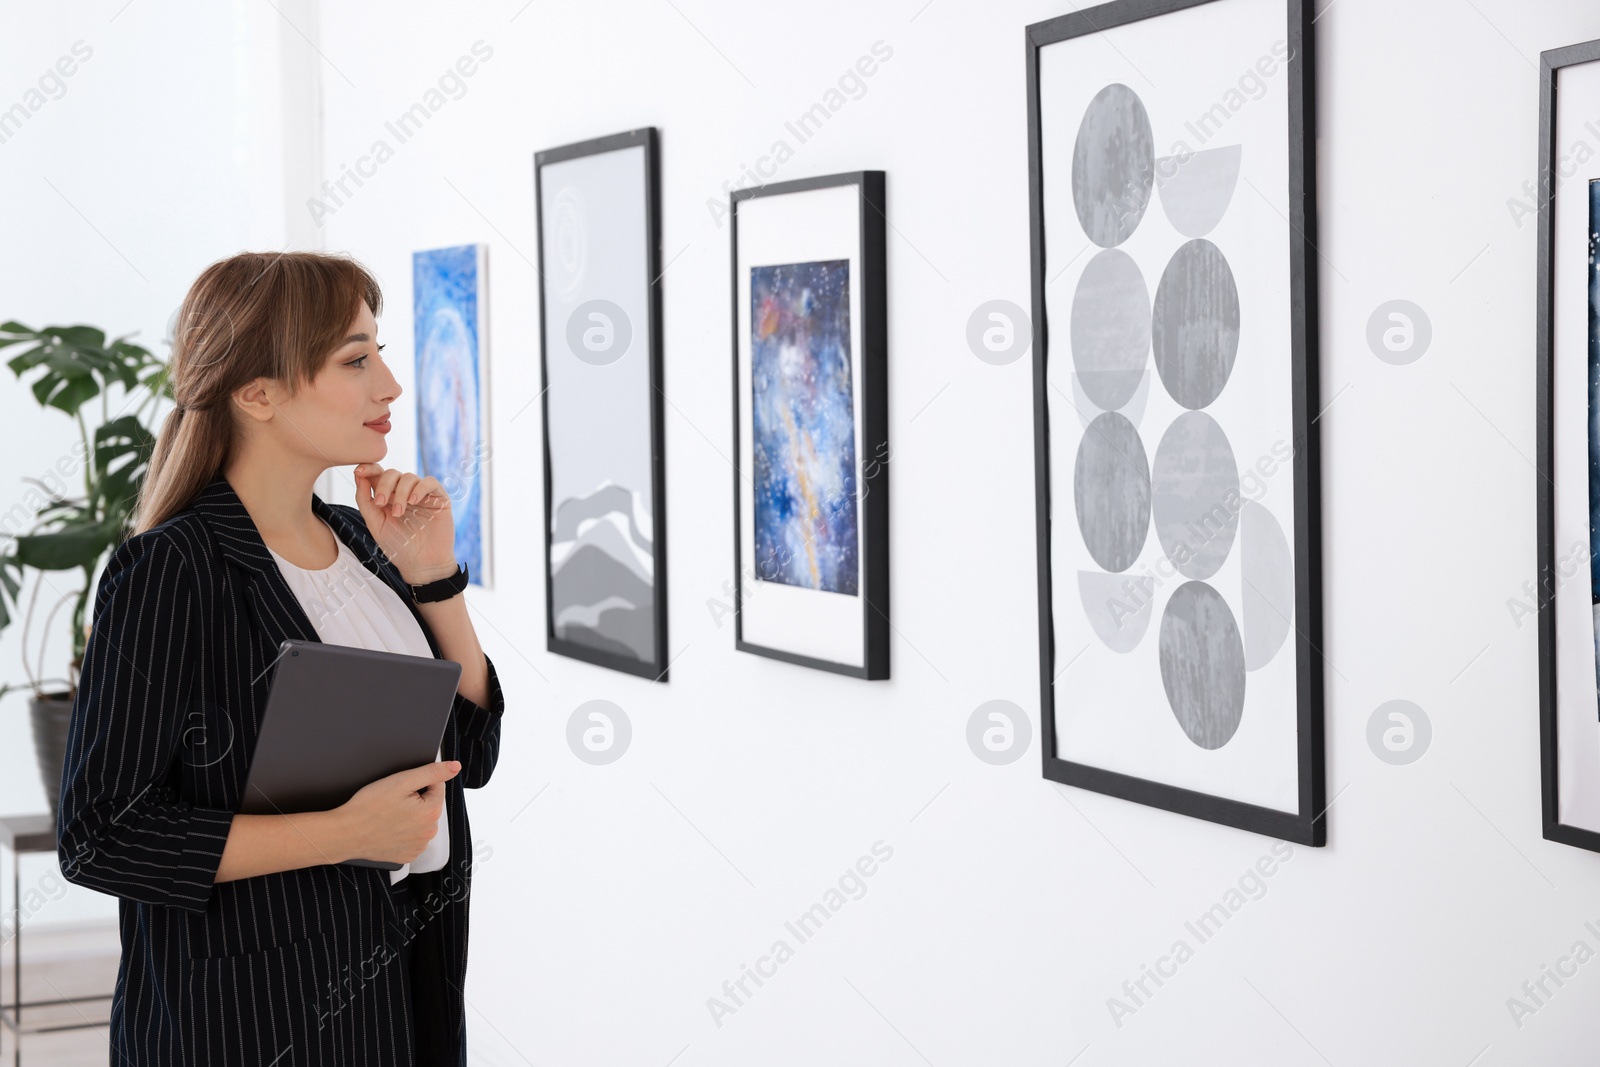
62, 963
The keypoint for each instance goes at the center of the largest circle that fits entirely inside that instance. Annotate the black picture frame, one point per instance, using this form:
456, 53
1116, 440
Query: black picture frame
648, 138
1548, 585
1307, 825
873, 454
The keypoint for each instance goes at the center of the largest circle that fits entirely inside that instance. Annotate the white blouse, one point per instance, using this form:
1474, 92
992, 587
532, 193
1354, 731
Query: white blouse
349, 605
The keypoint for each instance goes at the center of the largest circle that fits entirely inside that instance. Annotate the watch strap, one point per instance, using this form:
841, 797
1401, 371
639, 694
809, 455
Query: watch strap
443, 589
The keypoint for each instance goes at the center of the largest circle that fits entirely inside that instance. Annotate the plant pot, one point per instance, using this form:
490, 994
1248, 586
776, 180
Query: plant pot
50, 714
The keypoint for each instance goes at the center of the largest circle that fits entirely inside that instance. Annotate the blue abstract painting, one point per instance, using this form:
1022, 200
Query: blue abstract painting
447, 317
803, 426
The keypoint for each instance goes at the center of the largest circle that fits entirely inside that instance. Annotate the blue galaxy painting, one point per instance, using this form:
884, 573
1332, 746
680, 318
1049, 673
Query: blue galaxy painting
447, 322
803, 426
1594, 413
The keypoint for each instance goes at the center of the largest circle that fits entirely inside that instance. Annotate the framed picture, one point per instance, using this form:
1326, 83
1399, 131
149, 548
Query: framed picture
1568, 353
599, 222
811, 423
1171, 158
450, 325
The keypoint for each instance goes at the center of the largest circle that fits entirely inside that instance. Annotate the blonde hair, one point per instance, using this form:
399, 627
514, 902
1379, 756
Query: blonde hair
255, 315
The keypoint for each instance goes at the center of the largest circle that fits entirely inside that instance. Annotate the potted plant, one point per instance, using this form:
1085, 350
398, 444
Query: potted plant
73, 532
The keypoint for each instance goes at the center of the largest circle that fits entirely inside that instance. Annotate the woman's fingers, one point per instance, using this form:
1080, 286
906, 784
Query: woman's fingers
430, 490
373, 477
395, 490
379, 481
366, 501
403, 491
386, 486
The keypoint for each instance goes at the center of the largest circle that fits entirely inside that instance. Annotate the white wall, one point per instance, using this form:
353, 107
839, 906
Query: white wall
617, 899
159, 154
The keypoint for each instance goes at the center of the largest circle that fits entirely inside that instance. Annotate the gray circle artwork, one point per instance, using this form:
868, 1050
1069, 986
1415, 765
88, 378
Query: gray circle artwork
1266, 567
598, 732
1113, 165
1194, 494
1194, 328
1111, 491
1399, 332
1399, 732
1110, 328
999, 332
1202, 664
598, 332
998, 732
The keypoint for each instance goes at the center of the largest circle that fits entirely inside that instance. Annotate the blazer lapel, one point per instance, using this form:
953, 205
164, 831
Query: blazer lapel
273, 606
272, 603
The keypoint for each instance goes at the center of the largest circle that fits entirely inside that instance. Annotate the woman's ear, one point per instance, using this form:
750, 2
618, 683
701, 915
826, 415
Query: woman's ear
257, 400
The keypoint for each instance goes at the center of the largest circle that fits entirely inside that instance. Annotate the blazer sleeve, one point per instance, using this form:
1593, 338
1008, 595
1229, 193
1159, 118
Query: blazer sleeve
479, 731
123, 828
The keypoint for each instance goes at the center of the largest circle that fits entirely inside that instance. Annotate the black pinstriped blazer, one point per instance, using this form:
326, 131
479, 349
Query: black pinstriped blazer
282, 969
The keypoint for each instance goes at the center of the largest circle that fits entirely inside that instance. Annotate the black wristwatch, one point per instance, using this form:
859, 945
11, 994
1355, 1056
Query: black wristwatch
443, 589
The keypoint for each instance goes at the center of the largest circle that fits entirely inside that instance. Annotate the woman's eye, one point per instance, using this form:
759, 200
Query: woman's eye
358, 361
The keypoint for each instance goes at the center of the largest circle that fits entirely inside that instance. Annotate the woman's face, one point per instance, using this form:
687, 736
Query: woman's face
330, 420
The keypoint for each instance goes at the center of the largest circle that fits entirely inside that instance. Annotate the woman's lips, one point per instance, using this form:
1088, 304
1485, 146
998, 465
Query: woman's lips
382, 426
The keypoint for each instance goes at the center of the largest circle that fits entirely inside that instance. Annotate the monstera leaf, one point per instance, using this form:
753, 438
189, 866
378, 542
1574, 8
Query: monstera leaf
122, 451
78, 363
72, 365
77, 543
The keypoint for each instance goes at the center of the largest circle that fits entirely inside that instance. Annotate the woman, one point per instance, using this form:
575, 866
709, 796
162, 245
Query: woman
244, 939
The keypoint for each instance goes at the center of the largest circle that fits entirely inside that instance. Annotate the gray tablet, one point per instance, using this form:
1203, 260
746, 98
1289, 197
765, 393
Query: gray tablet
338, 718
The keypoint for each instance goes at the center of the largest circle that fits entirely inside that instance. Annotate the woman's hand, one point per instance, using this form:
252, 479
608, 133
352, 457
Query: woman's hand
389, 820
409, 516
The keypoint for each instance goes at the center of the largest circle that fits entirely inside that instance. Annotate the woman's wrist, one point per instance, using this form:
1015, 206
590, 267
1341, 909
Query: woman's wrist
328, 832
269, 844
430, 574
